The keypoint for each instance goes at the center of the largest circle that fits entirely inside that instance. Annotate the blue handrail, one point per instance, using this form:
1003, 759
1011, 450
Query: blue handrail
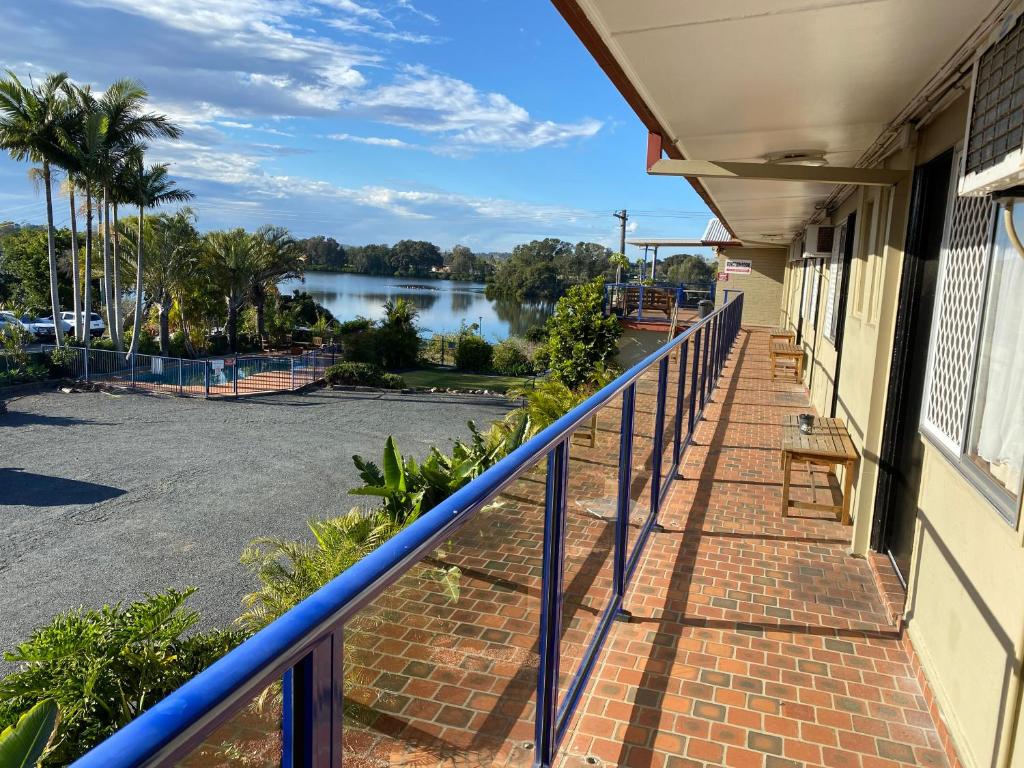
304, 646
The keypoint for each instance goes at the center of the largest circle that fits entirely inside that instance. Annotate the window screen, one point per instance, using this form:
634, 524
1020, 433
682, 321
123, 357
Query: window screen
997, 111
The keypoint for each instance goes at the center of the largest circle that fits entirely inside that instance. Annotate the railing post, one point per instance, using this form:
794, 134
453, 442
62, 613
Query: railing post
659, 442
180, 387
234, 377
206, 379
680, 397
291, 361
317, 705
640, 305
623, 500
693, 378
85, 361
704, 369
313, 376
551, 603
132, 359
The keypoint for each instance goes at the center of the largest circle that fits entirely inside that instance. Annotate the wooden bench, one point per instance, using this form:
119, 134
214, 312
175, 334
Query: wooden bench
655, 300
787, 357
828, 444
781, 334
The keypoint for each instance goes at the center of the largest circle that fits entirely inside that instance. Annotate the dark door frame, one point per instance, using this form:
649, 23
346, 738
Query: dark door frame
907, 319
844, 290
803, 290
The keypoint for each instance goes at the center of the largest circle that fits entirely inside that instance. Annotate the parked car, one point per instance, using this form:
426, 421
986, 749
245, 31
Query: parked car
96, 324
8, 321
43, 327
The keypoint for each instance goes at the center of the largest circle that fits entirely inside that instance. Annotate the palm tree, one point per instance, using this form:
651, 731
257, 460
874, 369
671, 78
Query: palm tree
232, 261
83, 138
148, 188
278, 257
172, 245
126, 127
30, 123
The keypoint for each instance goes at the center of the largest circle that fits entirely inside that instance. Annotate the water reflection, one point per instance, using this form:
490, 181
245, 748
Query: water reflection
443, 304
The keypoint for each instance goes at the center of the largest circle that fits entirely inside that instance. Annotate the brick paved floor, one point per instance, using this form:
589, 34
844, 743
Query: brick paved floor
756, 640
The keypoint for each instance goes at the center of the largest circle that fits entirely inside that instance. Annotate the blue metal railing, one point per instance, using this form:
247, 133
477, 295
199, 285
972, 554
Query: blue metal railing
655, 301
304, 649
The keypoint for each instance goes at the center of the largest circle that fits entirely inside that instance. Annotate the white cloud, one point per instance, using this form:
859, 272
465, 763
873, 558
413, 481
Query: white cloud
376, 141
434, 103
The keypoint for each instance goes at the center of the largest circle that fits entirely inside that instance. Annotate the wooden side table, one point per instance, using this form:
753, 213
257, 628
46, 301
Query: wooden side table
790, 356
828, 444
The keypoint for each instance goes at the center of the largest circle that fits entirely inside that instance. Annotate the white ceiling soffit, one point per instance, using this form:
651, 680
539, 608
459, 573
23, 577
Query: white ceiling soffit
738, 79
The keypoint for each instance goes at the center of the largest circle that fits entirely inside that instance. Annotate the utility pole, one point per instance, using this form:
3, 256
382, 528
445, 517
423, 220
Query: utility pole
623, 217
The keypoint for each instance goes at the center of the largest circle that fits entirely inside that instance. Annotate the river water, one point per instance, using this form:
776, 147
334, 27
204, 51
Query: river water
443, 304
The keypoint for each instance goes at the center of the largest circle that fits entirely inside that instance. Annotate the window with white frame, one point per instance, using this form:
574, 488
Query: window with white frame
973, 406
835, 280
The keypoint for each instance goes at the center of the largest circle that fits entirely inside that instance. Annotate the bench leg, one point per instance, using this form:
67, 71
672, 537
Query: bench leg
847, 490
787, 465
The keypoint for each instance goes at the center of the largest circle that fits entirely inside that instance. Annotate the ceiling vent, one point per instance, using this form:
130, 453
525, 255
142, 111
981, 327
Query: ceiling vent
818, 241
994, 156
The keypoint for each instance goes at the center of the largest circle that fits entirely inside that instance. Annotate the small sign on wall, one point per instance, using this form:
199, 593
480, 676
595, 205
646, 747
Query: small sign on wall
723, 277
738, 266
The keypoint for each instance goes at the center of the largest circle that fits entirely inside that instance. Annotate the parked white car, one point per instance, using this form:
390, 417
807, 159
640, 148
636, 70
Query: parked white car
96, 324
43, 327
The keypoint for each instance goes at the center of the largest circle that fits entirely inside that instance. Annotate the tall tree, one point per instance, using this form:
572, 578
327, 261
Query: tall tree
83, 137
231, 262
30, 123
278, 257
126, 127
147, 188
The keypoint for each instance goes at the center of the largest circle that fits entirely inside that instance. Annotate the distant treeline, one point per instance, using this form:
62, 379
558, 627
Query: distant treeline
414, 258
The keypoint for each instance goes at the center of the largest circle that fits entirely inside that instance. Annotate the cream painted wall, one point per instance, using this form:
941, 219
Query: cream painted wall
762, 288
965, 613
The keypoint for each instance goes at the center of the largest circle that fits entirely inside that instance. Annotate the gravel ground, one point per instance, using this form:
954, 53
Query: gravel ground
104, 497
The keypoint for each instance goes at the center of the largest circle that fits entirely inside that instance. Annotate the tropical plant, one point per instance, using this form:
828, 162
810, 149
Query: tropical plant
473, 353
398, 340
147, 188
290, 571
550, 399
510, 359
278, 256
125, 127
408, 488
104, 667
23, 744
231, 263
580, 337
620, 262
30, 129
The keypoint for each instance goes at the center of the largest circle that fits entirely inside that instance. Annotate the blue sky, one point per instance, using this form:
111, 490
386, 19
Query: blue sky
483, 122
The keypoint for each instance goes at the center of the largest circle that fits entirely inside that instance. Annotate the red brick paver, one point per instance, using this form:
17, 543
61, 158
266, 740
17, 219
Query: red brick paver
756, 640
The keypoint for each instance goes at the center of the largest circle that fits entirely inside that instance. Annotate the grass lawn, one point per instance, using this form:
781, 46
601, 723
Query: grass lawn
444, 378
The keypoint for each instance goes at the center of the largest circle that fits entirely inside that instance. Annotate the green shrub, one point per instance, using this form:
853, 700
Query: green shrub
105, 667
23, 375
473, 353
541, 359
392, 381
354, 374
147, 344
580, 337
510, 359
104, 342
354, 326
536, 333
177, 346
63, 360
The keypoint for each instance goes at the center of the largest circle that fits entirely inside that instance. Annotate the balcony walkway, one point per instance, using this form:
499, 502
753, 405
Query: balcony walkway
755, 639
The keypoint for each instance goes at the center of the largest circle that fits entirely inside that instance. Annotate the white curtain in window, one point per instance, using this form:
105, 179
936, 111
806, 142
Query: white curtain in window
1000, 400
